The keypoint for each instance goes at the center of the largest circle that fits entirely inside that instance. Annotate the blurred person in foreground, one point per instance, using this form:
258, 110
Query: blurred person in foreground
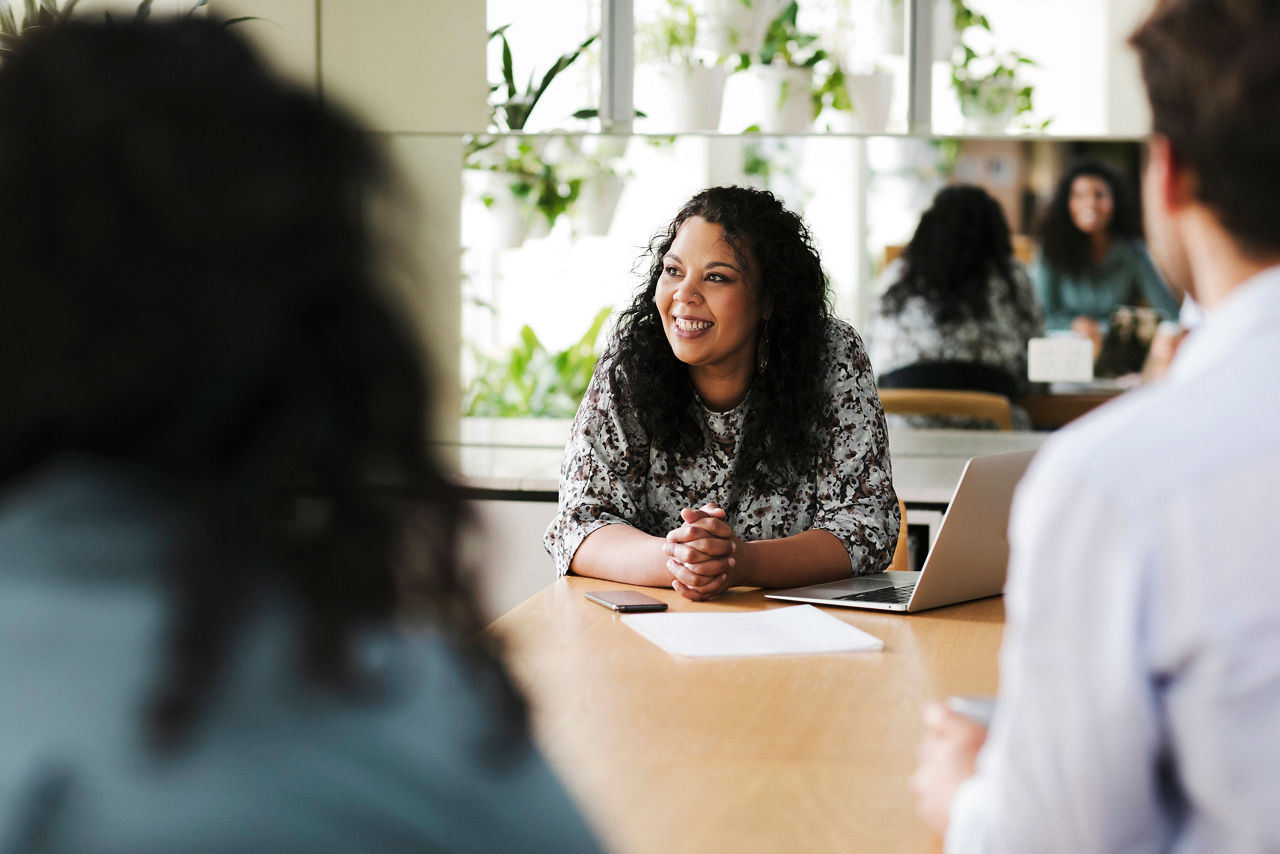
956, 309
1140, 676
193, 334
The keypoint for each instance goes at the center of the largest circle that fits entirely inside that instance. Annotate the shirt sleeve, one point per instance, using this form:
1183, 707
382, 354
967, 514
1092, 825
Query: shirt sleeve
603, 474
1073, 759
855, 497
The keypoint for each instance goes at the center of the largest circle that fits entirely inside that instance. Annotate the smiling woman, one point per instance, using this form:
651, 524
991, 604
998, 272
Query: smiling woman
731, 435
1093, 258
710, 312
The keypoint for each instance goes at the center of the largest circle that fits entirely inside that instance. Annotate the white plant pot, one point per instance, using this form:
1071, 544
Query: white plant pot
878, 29
837, 121
606, 147
538, 225
509, 216
727, 27
776, 98
598, 200
872, 94
994, 107
679, 98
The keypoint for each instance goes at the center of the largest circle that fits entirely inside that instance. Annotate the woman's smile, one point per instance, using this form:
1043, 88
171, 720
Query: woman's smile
707, 300
691, 327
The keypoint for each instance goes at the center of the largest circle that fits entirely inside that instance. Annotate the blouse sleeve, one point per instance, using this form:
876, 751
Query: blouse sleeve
855, 497
603, 474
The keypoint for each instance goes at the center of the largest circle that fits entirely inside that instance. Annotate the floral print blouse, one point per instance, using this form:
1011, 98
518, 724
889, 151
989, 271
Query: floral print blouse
996, 341
613, 474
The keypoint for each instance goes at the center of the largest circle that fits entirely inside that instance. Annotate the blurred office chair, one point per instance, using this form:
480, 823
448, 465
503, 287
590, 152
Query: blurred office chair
988, 406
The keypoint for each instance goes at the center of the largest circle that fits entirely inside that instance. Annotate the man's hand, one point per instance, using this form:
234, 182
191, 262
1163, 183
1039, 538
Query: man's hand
945, 759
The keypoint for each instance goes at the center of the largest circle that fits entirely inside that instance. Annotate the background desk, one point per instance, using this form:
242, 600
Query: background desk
1051, 411
799, 754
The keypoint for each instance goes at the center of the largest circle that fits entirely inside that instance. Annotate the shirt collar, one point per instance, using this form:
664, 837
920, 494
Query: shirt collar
1253, 307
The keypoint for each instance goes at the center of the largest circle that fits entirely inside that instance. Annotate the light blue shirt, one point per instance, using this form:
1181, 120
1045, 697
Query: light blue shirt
274, 765
1140, 673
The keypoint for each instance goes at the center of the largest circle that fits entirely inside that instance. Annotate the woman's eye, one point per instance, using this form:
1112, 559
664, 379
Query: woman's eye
716, 277
671, 271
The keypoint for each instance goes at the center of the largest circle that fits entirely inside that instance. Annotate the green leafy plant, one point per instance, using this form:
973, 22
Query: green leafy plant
670, 36
39, 14
785, 43
535, 182
833, 91
532, 381
44, 14
511, 112
540, 184
987, 82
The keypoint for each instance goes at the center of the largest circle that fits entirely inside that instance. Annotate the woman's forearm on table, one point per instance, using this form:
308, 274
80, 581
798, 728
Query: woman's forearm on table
810, 557
620, 552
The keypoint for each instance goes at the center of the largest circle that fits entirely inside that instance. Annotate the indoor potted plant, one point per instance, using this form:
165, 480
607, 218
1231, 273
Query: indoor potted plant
990, 91
727, 28
987, 82
776, 84
521, 189
679, 88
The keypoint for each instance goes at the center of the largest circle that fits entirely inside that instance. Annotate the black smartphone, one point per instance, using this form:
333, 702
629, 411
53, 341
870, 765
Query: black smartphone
626, 601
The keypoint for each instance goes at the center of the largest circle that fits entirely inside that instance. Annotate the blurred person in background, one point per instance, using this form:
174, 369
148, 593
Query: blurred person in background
192, 335
1092, 258
956, 308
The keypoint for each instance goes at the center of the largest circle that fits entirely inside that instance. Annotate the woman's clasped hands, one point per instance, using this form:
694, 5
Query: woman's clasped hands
702, 554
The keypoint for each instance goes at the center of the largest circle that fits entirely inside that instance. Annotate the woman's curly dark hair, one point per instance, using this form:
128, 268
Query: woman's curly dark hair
1062, 244
961, 240
192, 290
789, 406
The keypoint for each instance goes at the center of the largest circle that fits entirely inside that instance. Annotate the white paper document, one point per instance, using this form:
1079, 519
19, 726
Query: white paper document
798, 630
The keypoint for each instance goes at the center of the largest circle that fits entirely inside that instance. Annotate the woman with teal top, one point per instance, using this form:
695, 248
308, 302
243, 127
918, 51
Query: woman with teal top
219, 636
1092, 255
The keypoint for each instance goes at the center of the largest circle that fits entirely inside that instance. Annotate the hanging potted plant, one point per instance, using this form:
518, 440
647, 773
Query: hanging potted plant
603, 181
988, 84
728, 28
990, 91
46, 13
778, 85
678, 89
524, 190
853, 102
512, 180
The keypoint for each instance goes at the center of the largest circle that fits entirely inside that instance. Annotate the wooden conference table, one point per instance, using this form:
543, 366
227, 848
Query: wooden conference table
796, 754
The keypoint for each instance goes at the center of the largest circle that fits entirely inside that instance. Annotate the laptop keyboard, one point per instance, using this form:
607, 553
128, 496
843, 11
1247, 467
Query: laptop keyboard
896, 595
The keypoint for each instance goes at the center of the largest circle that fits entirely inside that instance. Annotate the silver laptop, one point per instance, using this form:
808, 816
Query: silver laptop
968, 558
